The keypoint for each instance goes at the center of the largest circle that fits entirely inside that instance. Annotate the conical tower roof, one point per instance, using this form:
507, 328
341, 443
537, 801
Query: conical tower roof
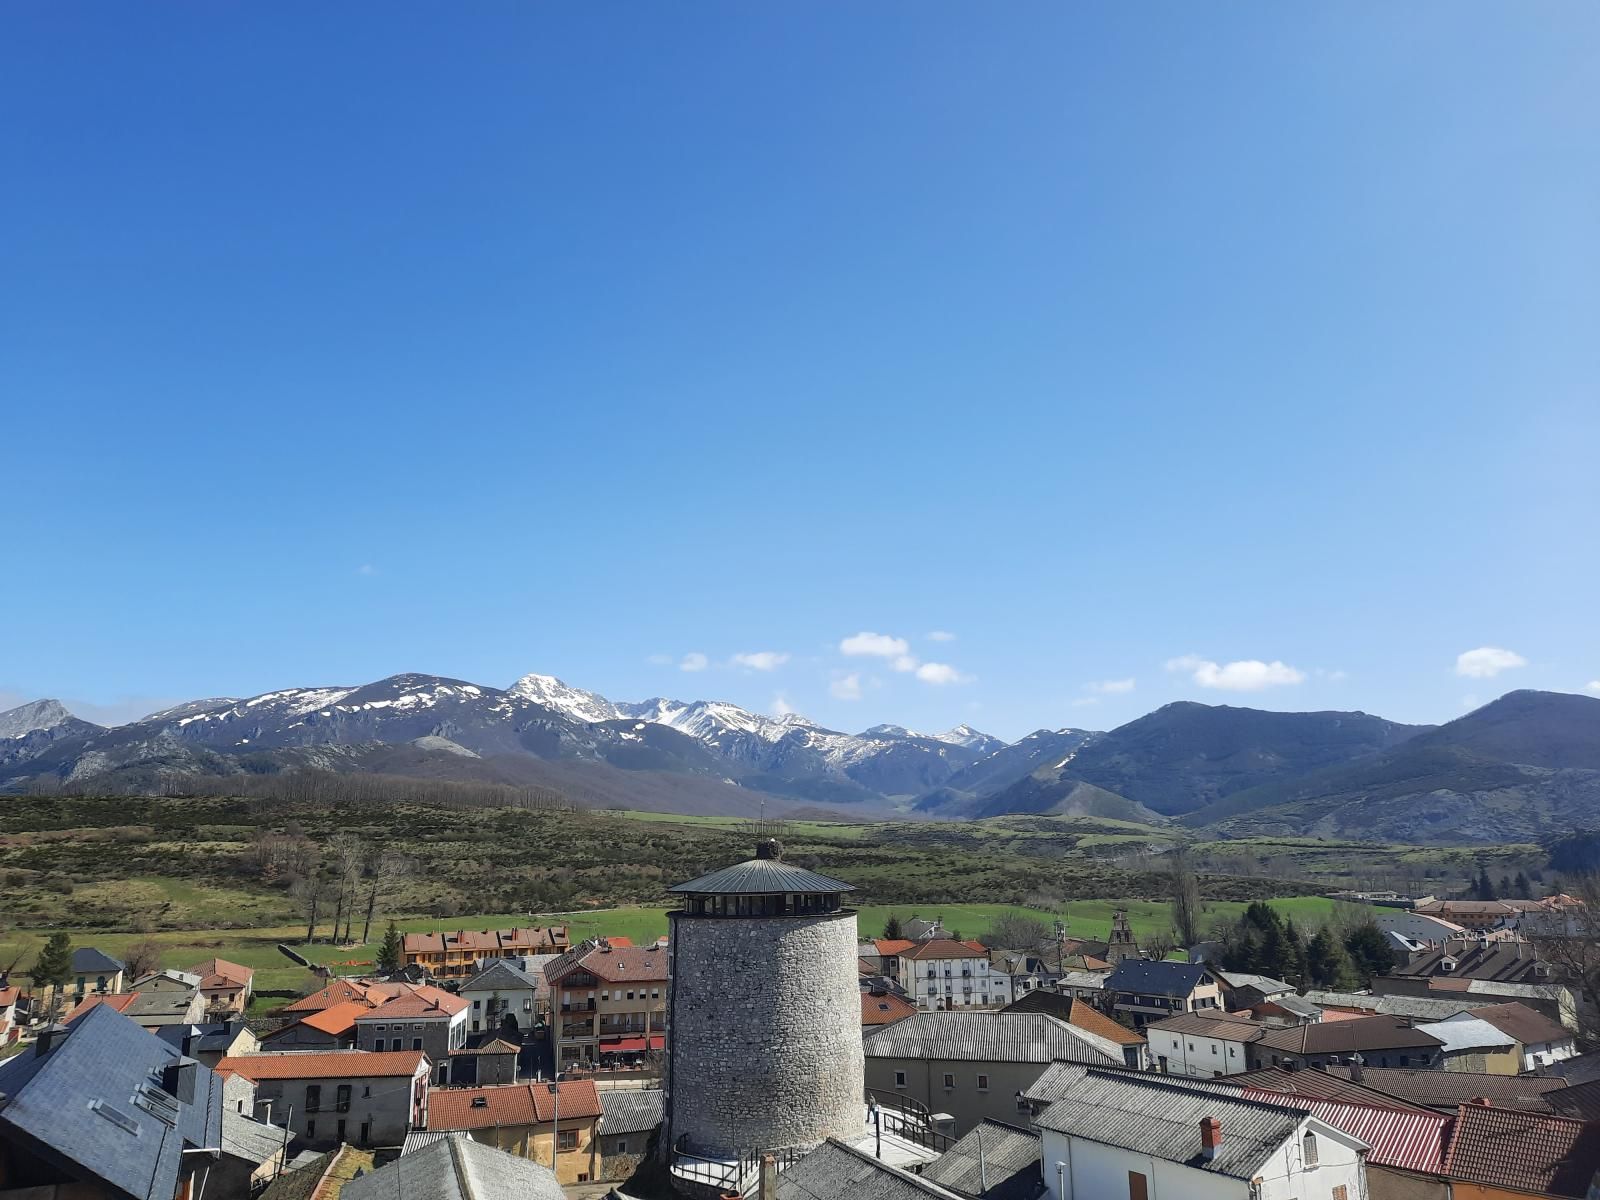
764, 875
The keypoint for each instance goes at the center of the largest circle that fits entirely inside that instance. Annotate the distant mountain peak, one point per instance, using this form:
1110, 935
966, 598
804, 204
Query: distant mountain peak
32, 717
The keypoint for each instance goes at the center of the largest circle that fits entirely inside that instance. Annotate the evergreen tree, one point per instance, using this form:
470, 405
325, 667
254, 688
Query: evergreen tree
1327, 963
1483, 889
1294, 956
53, 968
1505, 887
891, 927
1370, 951
391, 953
1524, 888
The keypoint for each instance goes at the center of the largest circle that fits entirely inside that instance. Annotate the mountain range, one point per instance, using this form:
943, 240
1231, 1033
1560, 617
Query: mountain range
1525, 766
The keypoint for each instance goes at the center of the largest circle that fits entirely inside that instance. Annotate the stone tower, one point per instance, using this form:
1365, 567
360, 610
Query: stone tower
1121, 944
763, 1011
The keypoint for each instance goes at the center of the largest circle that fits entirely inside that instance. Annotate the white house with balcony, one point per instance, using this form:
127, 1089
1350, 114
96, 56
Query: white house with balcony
942, 974
1116, 1136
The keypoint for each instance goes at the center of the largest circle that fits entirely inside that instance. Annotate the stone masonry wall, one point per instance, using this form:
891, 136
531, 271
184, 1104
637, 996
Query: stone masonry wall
764, 1032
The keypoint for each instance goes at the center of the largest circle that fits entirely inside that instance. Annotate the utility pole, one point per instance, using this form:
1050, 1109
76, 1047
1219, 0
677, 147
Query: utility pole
555, 1127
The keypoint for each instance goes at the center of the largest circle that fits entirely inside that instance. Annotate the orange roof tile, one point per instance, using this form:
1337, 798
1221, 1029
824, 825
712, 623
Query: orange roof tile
937, 948
8, 996
219, 972
338, 991
511, 1104
341, 1018
1091, 1019
893, 945
118, 1003
885, 1009
331, 1064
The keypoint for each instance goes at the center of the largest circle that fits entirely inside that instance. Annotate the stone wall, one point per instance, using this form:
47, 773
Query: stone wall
764, 1033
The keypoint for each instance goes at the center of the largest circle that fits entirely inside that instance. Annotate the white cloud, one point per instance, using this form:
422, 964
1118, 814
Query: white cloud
846, 687
762, 660
1245, 675
694, 661
941, 635
1109, 687
1487, 661
780, 706
905, 662
874, 645
940, 674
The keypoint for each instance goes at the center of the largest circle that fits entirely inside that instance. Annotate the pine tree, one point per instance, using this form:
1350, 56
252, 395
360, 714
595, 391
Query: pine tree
891, 927
1327, 963
53, 968
1370, 951
1294, 956
392, 951
1484, 888
1524, 888
1505, 887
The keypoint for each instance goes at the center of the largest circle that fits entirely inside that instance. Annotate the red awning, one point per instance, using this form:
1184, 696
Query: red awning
631, 1045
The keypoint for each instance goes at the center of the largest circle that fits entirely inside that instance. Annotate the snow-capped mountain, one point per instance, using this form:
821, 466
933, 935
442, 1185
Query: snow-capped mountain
447, 726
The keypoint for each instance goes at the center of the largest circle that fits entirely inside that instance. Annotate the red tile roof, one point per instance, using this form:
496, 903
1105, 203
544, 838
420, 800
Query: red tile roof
424, 1002
937, 948
331, 1064
341, 1018
8, 996
885, 1009
337, 991
893, 946
629, 964
510, 1104
1555, 1156
220, 973
1527, 1025
118, 1003
1090, 1019
530, 939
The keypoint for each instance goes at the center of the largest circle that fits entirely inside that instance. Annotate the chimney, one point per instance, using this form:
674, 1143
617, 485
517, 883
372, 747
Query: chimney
1355, 1067
178, 1079
1482, 1102
1210, 1137
48, 1039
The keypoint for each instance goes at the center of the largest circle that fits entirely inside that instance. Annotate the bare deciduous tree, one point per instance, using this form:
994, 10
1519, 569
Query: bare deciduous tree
1569, 940
1185, 891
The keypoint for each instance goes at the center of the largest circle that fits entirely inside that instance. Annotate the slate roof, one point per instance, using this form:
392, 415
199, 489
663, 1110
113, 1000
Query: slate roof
86, 960
1291, 1003
761, 877
1161, 1119
1553, 1156
249, 1139
1444, 1090
835, 1171
1265, 984
1042, 1000
96, 1101
510, 1104
1347, 1037
1581, 1101
500, 975
456, 1169
631, 1110
1150, 978
1010, 1163
1509, 962
328, 1064
1581, 1069
213, 1037
988, 1037
1419, 1008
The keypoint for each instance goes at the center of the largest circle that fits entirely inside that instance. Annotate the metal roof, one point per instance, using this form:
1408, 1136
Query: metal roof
630, 1110
989, 1037
1467, 1033
1002, 1156
762, 877
1422, 1008
1403, 1138
1162, 1119
835, 1171
456, 1169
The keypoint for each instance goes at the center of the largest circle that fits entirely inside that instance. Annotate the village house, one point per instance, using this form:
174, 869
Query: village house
95, 973
1145, 990
608, 1003
354, 1096
1203, 1045
150, 1009
249, 1156
211, 1042
492, 1060
974, 1065
1135, 1049
1242, 991
102, 1110
530, 1121
1120, 1135
335, 991
331, 1028
1469, 1044
427, 1019
456, 955
1380, 1041
631, 1118
502, 999
443, 1169
940, 973
1540, 1041
226, 987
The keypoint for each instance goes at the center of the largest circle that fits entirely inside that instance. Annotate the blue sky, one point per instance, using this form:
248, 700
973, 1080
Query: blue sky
1122, 343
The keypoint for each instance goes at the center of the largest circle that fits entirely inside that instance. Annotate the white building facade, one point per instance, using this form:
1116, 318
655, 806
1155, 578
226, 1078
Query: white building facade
1201, 1047
942, 974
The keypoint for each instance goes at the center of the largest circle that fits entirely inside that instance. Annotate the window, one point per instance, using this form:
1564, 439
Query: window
1308, 1148
311, 1129
377, 1044
416, 1043
1231, 1052
1138, 1186
313, 1097
622, 1145
340, 1131
476, 1005
366, 1132
569, 1139
949, 1080
899, 1079
983, 1083
342, 1099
